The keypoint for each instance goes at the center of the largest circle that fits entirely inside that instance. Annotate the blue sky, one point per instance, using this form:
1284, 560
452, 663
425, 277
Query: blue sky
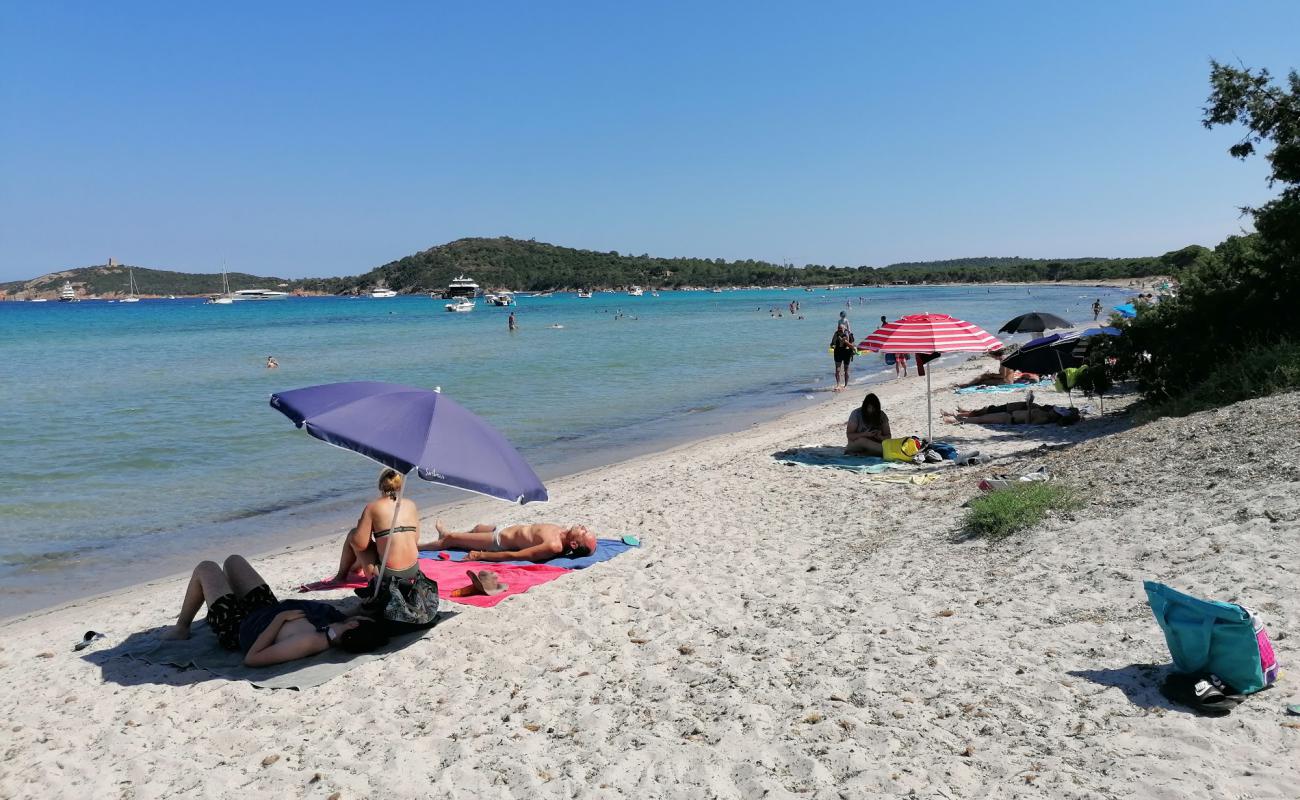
310, 138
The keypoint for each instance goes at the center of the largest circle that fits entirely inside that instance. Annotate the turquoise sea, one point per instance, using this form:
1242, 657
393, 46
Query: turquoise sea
137, 438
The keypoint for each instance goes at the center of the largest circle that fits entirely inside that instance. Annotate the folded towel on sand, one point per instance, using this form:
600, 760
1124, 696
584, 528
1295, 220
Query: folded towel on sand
831, 457
202, 650
518, 578
605, 550
916, 480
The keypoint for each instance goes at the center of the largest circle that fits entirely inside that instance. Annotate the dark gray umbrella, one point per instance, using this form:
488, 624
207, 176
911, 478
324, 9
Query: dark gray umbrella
1034, 322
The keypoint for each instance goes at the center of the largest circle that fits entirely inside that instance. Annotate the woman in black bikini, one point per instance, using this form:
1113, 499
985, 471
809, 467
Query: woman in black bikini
372, 538
245, 615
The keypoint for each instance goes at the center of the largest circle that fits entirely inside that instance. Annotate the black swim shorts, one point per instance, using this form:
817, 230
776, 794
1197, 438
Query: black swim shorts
227, 613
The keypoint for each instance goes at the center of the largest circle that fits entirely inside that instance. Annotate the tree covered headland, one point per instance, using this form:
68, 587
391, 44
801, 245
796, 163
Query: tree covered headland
1233, 330
527, 265
537, 266
107, 281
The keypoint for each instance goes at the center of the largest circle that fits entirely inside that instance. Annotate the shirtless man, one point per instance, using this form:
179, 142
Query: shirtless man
1021, 413
540, 541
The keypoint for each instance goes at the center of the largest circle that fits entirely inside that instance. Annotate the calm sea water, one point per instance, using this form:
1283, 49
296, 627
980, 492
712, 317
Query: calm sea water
136, 437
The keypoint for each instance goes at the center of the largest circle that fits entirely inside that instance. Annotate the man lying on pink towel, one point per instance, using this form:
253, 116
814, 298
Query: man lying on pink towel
540, 541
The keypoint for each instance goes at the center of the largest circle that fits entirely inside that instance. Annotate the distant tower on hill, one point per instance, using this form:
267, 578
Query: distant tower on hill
112, 262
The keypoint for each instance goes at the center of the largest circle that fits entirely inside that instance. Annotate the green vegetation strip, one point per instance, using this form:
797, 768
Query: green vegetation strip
1003, 512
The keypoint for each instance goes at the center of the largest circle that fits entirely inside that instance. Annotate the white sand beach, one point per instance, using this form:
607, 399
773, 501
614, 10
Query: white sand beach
784, 631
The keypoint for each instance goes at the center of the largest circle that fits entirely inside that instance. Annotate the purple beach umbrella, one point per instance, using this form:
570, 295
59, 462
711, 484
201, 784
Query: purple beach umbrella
413, 429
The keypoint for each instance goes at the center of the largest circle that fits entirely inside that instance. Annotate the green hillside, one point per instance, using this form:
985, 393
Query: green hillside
537, 266
106, 281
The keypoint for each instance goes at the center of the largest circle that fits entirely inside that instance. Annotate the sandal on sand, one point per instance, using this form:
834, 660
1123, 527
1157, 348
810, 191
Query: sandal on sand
1207, 694
486, 582
87, 640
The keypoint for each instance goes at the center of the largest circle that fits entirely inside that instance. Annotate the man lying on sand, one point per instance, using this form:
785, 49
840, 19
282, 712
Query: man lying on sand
540, 541
1015, 414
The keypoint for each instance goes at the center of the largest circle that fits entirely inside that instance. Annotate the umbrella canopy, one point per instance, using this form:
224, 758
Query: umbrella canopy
1055, 353
1033, 322
414, 429
929, 333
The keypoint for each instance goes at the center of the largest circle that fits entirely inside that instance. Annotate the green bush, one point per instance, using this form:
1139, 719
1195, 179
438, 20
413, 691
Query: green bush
1003, 512
1251, 372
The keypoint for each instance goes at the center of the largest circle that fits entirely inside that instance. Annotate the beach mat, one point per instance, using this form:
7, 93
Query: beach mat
1003, 388
605, 550
201, 650
831, 457
452, 575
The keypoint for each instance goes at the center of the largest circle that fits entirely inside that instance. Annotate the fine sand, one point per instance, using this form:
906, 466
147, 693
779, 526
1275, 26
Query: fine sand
785, 631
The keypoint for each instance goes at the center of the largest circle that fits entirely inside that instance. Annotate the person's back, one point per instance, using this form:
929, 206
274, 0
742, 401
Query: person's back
399, 548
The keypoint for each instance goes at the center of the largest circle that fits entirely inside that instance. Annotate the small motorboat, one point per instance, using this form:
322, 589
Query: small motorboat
460, 306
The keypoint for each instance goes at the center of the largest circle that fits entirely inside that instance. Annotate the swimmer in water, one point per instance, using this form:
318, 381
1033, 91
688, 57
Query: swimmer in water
271, 363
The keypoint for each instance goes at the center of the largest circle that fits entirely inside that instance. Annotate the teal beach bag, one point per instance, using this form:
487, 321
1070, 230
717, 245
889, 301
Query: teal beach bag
1208, 636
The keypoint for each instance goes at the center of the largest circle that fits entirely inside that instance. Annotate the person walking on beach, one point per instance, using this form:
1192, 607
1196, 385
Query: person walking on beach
510, 322
1096, 309
842, 351
540, 541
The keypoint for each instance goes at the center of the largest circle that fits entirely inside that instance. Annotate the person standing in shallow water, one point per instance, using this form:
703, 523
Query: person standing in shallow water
842, 350
510, 323
1096, 309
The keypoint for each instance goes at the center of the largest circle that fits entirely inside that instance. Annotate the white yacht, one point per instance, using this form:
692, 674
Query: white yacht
636, 291
67, 294
380, 293
585, 294
501, 299
461, 287
131, 288
259, 294
460, 306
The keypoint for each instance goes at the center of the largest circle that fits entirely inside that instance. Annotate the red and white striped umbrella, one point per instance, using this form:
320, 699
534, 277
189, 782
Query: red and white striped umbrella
929, 333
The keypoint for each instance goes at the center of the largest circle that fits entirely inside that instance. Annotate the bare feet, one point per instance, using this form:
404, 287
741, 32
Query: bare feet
178, 631
436, 544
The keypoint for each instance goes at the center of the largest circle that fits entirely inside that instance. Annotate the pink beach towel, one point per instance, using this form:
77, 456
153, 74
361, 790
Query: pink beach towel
353, 581
450, 576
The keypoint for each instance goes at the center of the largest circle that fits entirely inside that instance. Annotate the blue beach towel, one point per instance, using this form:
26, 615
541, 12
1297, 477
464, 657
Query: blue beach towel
1009, 387
605, 550
834, 458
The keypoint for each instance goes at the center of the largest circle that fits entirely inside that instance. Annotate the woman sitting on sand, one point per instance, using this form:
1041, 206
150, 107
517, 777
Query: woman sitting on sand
1014, 414
244, 614
868, 427
373, 538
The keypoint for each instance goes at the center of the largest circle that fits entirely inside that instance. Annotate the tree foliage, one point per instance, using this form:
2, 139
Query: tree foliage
1243, 296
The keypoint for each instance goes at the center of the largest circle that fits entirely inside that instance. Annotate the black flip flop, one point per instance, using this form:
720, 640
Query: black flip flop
87, 640
1207, 694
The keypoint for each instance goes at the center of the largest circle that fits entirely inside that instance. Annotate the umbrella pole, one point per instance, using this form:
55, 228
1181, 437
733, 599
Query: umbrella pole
929, 414
1064, 378
383, 559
